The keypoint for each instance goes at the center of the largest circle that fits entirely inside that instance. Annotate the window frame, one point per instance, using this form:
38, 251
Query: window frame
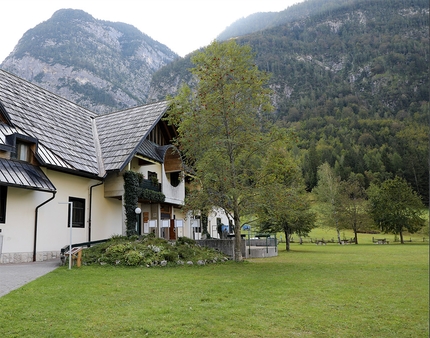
78, 208
23, 151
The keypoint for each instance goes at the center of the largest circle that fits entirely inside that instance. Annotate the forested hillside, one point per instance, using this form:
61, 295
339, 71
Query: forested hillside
353, 83
260, 21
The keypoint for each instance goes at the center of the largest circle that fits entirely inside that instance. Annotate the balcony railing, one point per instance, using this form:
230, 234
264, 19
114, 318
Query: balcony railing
150, 185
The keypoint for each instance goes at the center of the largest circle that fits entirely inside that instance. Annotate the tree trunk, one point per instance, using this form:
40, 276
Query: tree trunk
401, 237
287, 240
338, 232
355, 232
237, 239
205, 226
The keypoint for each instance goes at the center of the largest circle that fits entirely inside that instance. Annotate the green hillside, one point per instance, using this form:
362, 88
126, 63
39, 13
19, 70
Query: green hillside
352, 80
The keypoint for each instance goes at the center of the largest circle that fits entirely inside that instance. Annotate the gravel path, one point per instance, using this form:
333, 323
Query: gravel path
13, 276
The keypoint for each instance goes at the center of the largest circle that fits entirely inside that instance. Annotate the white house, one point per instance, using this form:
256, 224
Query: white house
53, 152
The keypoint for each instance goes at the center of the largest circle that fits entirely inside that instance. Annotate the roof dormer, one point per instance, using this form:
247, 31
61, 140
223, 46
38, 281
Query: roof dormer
22, 148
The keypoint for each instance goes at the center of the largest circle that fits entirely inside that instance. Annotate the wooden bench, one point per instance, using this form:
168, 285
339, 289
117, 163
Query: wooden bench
75, 255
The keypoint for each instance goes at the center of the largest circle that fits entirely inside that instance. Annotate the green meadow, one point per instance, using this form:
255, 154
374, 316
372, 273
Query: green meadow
365, 290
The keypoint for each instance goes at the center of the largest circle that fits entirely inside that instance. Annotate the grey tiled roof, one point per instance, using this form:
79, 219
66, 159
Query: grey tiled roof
45, 155
24, 175
121, 133
69, 136
60, 126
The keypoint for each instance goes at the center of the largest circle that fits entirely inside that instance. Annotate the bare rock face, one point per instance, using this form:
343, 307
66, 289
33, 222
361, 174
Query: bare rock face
100, 65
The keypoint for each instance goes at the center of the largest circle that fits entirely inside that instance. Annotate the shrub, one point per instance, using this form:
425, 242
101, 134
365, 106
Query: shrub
148, 251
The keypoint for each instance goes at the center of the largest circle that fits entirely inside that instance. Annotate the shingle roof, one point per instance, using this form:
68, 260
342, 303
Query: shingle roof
121, 133
44, 154
24, 175
60, 126
69, 136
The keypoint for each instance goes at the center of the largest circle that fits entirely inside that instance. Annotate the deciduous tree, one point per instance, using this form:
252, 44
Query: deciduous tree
328, 194
282, 203
222, 130
395, 207
353, 209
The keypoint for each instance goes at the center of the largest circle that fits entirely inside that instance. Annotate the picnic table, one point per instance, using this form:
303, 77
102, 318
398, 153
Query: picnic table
320, 242
381, 241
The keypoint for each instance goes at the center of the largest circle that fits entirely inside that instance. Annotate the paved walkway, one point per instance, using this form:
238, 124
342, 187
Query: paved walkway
13, 276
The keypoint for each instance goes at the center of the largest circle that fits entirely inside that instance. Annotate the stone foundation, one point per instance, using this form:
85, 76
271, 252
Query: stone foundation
26, 257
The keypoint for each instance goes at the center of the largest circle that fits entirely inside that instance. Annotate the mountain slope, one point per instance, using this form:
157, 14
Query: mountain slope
353, 82
101, 65
260, 21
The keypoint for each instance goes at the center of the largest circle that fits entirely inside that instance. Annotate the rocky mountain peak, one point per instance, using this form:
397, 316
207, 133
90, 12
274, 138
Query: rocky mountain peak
101, 65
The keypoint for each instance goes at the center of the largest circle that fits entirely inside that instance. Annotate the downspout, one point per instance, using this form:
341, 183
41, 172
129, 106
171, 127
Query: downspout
90, 211
35, 224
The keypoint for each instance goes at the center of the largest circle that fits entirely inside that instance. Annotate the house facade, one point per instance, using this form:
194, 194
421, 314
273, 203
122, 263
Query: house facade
62, 172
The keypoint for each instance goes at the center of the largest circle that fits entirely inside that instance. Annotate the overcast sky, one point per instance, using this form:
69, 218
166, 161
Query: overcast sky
181, 25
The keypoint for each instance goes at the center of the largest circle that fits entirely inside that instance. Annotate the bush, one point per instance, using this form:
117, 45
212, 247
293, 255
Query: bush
149, 251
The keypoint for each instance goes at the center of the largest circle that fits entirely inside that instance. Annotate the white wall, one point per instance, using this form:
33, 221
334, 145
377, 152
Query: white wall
18, 230
212, 225
52, 231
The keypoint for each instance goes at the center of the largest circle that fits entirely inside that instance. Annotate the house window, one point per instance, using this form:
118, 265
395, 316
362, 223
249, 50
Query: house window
78, 212
23, 151
3, 197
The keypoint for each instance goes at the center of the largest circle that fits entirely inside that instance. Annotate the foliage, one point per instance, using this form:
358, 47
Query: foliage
132, 193
149, 251
261, 21
222, 129
395, 207
282, 203
351, 77
354, 207
328, 193
150, 195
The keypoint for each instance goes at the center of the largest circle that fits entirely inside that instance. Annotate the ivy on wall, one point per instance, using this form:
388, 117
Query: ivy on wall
132, 193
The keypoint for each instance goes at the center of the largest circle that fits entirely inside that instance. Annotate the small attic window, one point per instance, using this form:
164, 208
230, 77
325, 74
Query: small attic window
23, 151
22, 147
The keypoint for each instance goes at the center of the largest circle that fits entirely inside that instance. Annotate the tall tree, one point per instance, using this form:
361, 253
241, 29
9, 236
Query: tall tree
329, 195
395, 207
282, 203
353, 208
222, 130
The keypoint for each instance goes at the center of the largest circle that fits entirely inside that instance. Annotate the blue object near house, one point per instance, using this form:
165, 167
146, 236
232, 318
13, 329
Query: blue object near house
224, 228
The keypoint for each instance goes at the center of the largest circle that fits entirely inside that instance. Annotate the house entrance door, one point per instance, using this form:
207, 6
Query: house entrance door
172, 230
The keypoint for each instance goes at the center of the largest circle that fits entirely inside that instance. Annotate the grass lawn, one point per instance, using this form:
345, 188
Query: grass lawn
363, 290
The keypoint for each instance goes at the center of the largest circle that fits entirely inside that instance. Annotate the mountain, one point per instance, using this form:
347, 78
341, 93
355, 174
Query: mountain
260, 21
103, 66
352, 80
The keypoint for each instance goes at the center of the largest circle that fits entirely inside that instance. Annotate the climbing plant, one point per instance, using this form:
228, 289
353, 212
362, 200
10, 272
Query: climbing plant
132, 193
131, 196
